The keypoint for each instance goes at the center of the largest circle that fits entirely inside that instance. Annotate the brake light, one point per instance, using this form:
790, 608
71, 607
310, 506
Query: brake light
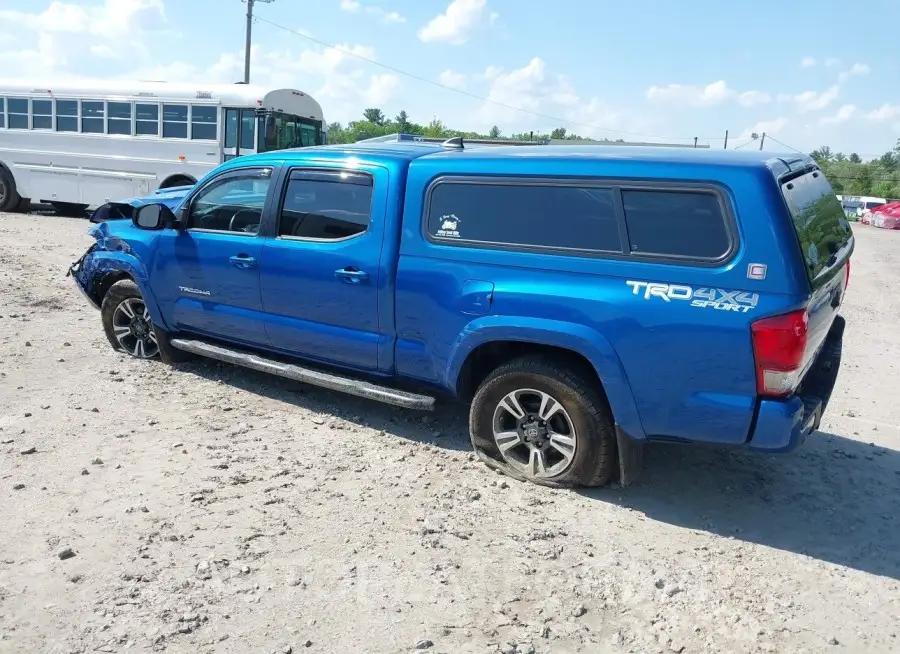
779, 345
847, 278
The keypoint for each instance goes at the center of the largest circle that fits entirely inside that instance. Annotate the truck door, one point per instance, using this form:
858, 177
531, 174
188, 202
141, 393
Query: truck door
321, 274
206, 278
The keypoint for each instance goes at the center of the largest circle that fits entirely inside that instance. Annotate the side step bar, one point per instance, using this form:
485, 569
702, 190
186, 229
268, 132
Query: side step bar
333, 382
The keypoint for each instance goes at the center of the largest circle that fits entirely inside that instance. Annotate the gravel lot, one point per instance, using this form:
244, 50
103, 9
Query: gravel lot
211, 509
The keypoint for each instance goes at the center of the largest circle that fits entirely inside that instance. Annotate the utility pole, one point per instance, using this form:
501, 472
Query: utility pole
250, 4
761, 141
726, 139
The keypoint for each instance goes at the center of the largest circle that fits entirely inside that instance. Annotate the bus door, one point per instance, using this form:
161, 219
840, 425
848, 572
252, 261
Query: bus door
240, 132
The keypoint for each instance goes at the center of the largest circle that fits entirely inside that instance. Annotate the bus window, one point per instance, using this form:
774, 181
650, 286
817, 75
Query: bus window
147, 123
119, 118
248, 125
42, 114
18, 113
175, 121
203, 123
67, 115
92, 114
231, 128
2, 113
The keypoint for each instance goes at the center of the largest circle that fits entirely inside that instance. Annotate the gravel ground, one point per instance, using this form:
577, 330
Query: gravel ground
211, 509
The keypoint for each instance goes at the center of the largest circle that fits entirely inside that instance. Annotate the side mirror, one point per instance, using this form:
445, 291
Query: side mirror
153, 216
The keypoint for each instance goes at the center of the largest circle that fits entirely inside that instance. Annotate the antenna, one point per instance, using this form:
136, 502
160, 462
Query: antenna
455, 143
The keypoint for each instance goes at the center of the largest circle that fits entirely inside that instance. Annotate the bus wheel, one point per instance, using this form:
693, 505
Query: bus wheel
9, 199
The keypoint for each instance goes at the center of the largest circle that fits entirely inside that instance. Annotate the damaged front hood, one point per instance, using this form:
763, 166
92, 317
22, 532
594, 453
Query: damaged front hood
171, 197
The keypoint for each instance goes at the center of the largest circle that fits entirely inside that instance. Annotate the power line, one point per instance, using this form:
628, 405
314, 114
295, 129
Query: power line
790, 147
467, 93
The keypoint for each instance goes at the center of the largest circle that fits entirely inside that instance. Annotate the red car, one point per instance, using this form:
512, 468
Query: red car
887, 216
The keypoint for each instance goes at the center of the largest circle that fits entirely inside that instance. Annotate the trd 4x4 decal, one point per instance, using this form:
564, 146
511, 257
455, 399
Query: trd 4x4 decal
715, 298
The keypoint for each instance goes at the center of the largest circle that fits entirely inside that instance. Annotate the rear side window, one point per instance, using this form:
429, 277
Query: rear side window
326, 206
531, 215
819, 221
687, 224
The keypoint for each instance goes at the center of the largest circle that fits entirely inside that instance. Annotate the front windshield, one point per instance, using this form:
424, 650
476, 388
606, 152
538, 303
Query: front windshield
872, 205
289, 131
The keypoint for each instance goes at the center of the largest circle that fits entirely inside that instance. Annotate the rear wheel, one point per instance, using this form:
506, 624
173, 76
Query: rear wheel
9, 198
543, 422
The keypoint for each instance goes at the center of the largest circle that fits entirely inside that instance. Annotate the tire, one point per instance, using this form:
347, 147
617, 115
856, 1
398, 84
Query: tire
582, 418
127, 292
9, 198
168, 354
123, 310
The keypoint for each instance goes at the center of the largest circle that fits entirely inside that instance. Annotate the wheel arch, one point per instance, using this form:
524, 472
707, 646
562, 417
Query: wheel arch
178, 179
107, 270
492, 341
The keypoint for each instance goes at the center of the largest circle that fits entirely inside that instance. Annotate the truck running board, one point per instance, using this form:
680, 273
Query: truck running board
331, 381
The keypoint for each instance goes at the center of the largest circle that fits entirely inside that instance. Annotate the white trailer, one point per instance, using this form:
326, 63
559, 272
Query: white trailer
81, 144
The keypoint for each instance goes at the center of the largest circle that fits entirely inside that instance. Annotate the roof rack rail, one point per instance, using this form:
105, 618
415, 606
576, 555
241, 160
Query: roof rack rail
453, 143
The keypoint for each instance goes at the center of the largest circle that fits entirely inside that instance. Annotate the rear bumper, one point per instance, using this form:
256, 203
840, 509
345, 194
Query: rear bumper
782, 425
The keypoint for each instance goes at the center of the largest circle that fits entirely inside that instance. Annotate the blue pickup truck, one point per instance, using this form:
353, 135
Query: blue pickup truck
581, 300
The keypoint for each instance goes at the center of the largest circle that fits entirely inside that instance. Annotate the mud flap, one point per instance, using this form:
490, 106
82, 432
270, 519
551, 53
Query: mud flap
631, 457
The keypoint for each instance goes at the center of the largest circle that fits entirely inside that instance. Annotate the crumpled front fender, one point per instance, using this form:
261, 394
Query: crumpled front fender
111, 255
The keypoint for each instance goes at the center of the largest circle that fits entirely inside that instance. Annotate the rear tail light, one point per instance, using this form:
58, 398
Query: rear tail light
779, 345
847, 278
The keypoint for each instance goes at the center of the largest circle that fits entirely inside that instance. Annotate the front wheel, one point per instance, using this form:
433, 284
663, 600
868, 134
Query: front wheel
544, 422
127, 322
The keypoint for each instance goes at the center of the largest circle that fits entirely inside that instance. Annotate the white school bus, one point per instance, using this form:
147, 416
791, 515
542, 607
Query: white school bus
82, 144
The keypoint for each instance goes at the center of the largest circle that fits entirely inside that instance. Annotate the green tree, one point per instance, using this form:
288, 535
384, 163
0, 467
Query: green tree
889, 161
839, 157
862, 182
402, 121
854, 158
558, 134
495, 132
436, 128
822, 155
374, 115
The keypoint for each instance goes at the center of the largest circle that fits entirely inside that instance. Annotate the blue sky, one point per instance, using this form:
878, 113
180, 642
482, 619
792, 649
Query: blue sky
642, 70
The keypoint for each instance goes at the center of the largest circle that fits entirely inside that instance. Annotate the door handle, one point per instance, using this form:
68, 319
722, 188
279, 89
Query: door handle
351, 275
242, 261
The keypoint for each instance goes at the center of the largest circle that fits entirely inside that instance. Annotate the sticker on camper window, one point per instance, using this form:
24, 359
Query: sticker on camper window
449, 226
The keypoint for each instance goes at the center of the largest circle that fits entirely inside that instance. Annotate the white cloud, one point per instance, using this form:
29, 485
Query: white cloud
772, 126
812, 100
843, 114
884, 113
535, 89
807, 62
751, 98
832, 62
704, 96
452, 79
54, 39
694, 96
355, 7
455, 25
855, 70
333, 76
